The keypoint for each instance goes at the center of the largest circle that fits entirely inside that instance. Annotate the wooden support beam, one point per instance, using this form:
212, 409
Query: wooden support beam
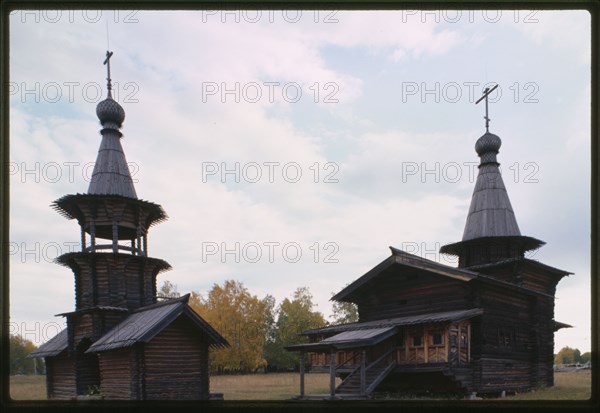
115, 236
93, 236
446, 341
363, 371
469, 343
426, 344
332, 373
82, 240
302, 374
139, 239
458, 338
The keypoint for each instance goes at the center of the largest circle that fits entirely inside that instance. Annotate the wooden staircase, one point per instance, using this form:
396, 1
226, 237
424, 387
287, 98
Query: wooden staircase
373, 375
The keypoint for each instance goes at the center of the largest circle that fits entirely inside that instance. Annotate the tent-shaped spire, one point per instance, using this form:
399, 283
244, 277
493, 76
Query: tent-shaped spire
490, 214
111, 174
491, 232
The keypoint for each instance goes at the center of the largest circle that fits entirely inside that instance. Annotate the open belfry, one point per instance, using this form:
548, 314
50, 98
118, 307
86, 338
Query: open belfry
120, 342
486, 326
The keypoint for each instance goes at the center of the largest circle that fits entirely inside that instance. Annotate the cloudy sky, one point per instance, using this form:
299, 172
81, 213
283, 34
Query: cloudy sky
292, 148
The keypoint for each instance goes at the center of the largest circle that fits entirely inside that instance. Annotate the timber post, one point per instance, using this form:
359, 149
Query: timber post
302, 374
332, 373
363, 371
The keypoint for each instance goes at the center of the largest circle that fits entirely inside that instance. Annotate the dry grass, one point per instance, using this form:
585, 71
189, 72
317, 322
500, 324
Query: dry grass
576, 385
274, 386
28, 387
282, 386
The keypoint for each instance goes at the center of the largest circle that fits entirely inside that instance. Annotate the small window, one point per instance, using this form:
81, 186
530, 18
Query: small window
505, 339
417, 341
400, 339
436, 339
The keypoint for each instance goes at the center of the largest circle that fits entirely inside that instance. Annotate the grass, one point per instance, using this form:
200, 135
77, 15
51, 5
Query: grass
274, 386
576, 385
282, 386
28, 387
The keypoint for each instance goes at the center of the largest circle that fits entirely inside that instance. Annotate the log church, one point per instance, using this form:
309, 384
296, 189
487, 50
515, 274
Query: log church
121, 342
486, 326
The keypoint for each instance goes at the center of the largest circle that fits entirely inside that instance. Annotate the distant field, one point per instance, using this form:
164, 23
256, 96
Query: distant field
576, 385
281, 386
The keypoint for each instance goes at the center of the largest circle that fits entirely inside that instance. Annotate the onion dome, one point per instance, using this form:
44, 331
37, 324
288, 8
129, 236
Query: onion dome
111, 174
487, 147
109, 111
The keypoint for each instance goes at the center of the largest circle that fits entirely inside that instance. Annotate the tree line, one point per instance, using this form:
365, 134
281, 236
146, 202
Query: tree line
568, 355
258, 329
19, 348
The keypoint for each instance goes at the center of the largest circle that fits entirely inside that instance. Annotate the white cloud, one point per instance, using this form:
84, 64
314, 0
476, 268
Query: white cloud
380, 198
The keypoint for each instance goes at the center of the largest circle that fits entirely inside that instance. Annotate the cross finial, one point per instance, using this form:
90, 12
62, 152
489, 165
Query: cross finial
486, 93
107, 63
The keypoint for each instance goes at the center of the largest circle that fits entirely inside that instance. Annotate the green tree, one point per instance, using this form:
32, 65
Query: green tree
567, 355
168, 290
585, 357
19, 350
293, 317
240, 318
344, 312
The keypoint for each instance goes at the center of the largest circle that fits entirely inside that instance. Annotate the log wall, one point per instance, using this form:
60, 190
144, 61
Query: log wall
60, 377
176, 364
396, 295
118, 369
116, 280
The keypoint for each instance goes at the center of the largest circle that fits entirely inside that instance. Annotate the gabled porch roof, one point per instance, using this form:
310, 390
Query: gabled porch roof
369, 333
348, 339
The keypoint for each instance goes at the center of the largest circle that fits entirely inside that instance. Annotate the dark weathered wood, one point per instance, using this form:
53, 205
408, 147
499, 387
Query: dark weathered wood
176, 364
302, 374
508, 347
114, 283
60, 374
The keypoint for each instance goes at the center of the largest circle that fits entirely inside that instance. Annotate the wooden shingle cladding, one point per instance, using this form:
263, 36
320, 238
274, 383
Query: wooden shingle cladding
100, 210
526, 273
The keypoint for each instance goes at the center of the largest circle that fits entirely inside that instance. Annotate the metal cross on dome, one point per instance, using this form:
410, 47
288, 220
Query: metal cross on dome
486, 93
107, 63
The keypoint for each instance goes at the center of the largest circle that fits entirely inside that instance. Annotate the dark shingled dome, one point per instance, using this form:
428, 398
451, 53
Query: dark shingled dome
110, 111
488, 143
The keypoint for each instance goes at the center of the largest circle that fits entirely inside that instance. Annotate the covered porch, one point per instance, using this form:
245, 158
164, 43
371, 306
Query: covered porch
365, 354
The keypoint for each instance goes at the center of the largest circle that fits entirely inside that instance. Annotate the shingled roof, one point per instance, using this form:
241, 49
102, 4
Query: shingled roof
369, 333
404, 259
146, 322
52, 347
